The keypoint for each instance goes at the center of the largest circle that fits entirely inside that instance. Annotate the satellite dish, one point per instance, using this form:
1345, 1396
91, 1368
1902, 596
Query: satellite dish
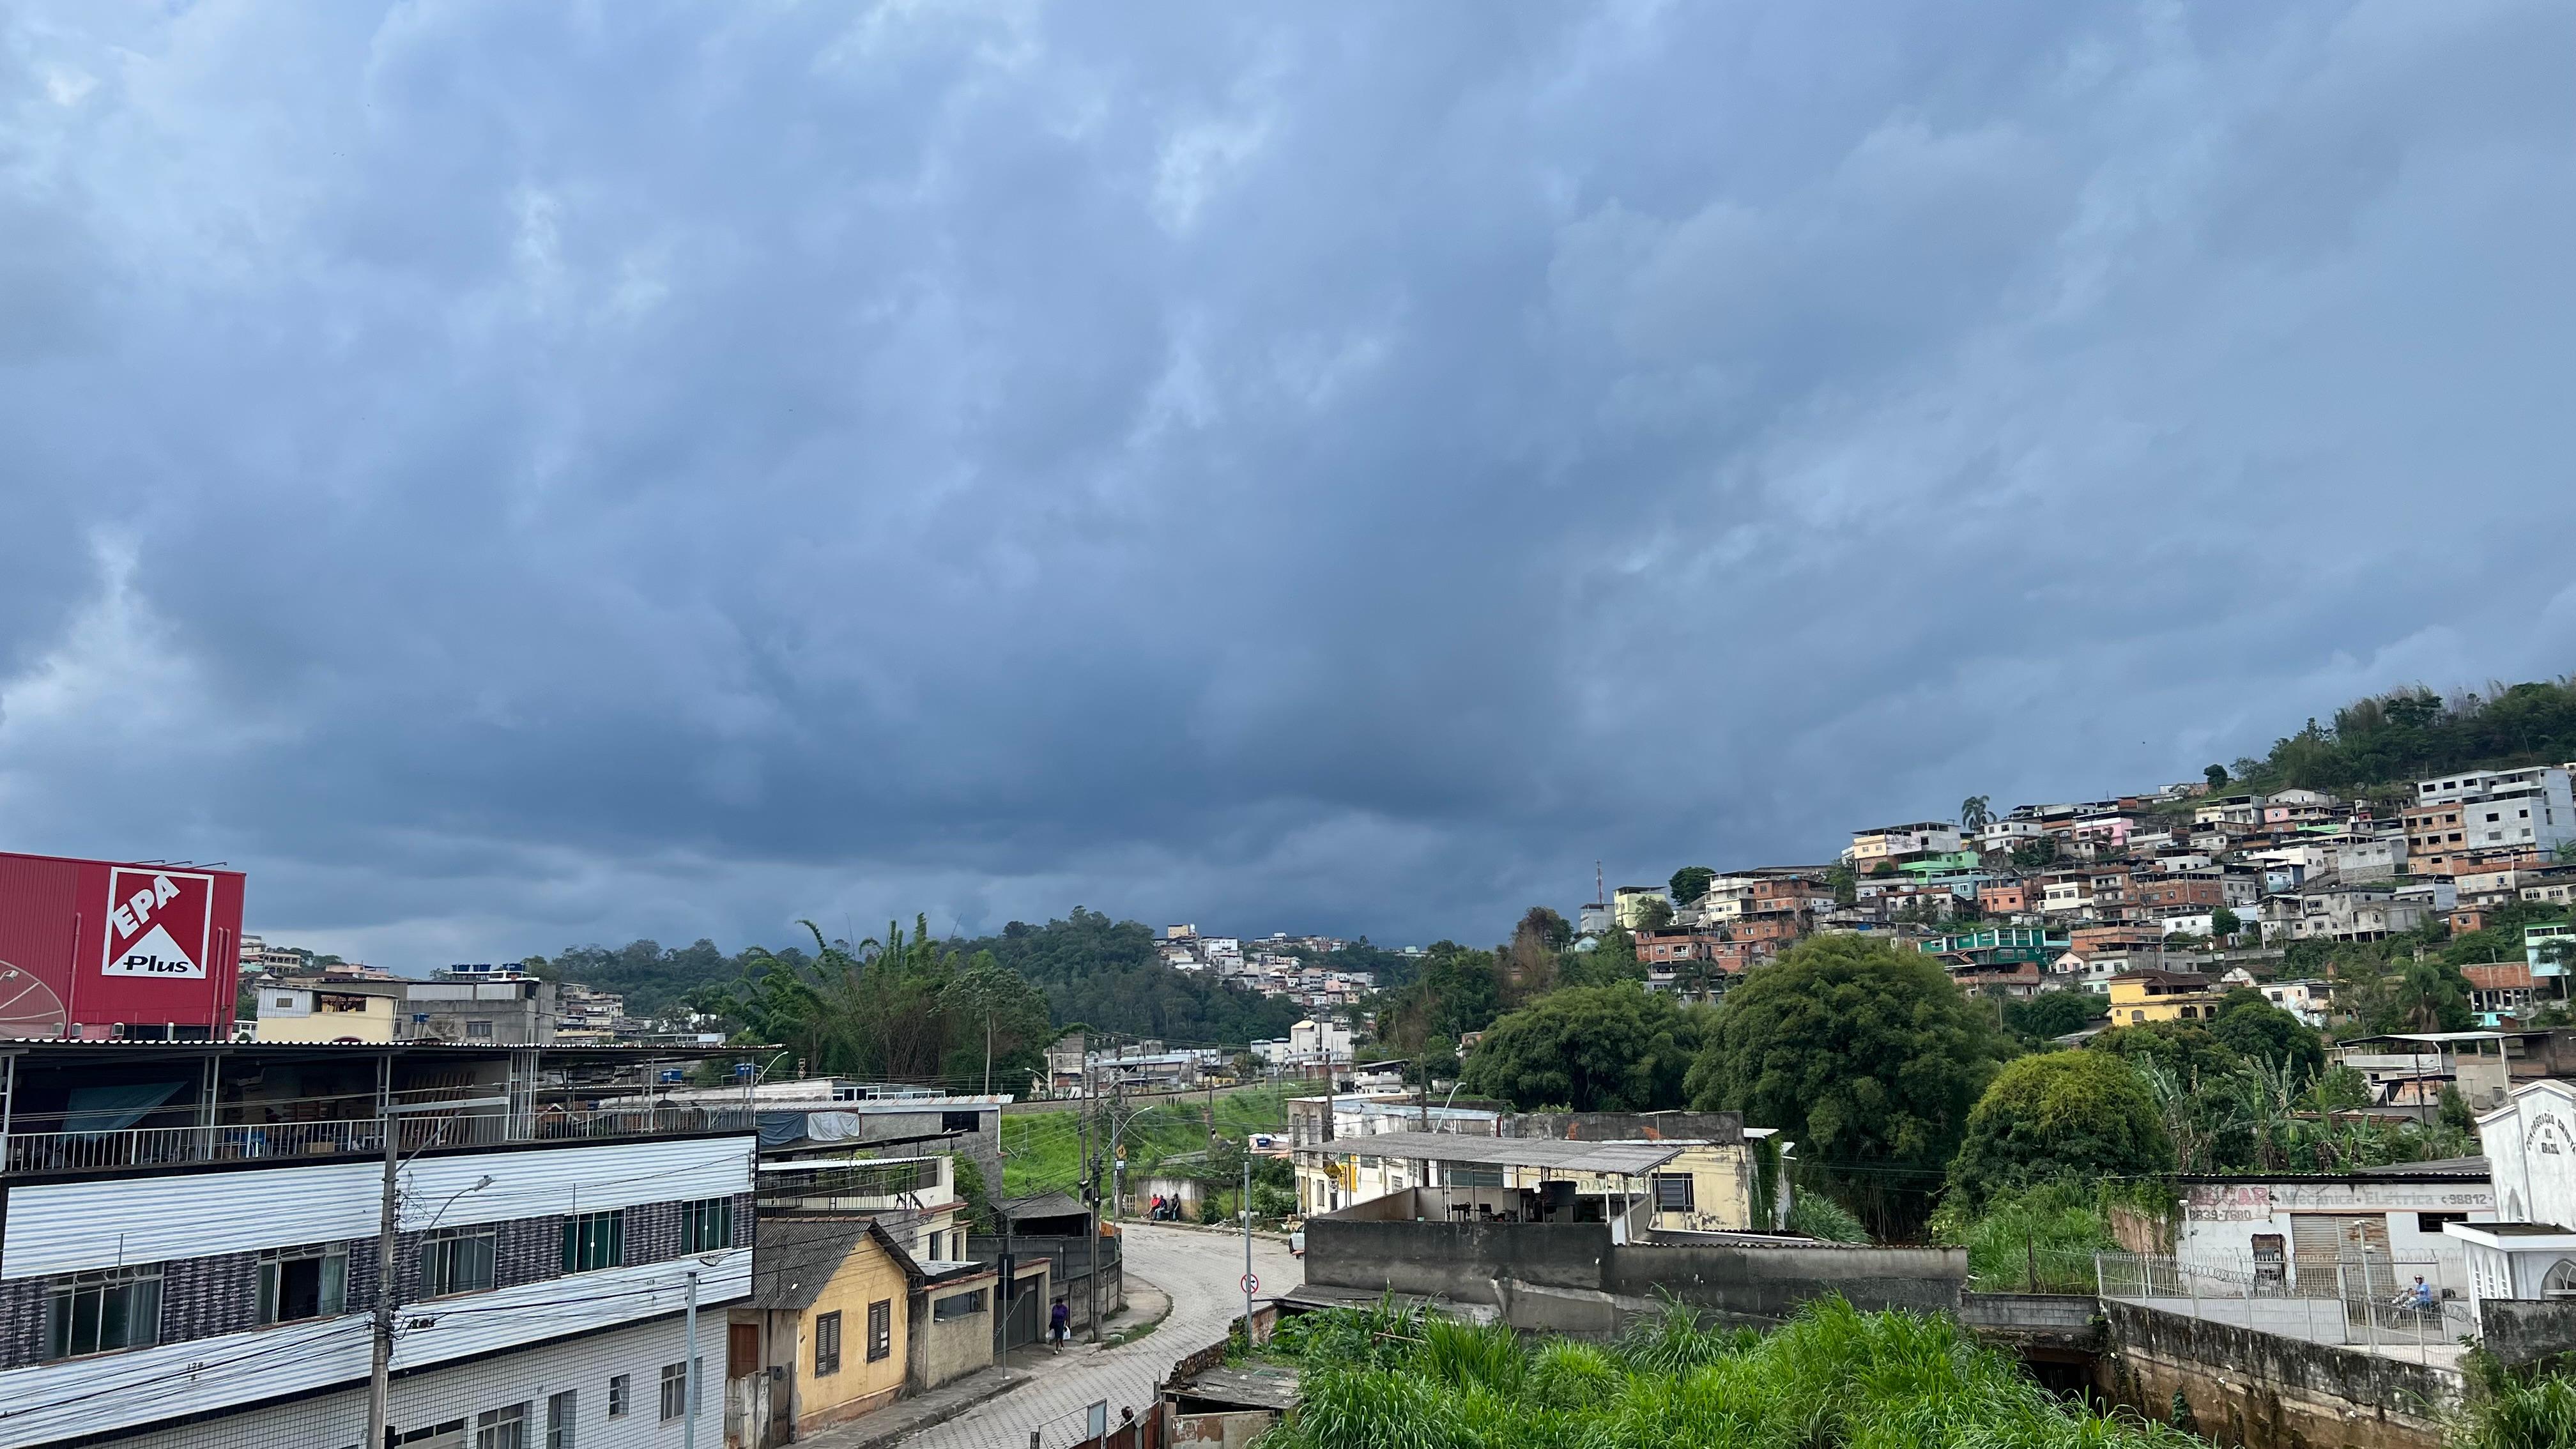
28, 1007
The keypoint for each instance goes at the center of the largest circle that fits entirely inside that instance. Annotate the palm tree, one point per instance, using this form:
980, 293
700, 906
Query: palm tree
1973, 814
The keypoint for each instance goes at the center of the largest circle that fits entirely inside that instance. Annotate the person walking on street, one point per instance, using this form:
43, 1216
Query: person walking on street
1059, 1324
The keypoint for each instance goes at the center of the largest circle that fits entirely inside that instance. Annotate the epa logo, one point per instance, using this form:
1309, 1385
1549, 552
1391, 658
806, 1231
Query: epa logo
157, 923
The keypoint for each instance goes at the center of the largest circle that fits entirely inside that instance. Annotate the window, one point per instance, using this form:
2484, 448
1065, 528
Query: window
958, 1121
880, 1329
559, 1420
302, 1283
618, 1396
2430, 1224
504, 1428
675, 1391
706, 1225
97, 1312
827, 1344
594, 1240
957, 1305
451, 1432
457, 1260
479, 1029
1673, 1192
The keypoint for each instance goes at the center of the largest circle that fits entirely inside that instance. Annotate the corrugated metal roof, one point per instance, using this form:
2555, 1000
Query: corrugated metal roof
1624, 1158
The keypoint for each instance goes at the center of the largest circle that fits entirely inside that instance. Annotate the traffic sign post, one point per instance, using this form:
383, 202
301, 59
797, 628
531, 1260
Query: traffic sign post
1251, 1284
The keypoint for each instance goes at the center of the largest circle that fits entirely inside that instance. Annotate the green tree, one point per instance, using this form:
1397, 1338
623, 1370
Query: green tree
1655, 914
2051, 1014
1973, 814
1526, 965
1594, 1049
1457, 991
2225, 922
1845, 885
2217, 777
1690, 883
2036, 854
2185, 1049
2060, 1115
2257, 1030
1866, 1056
2432, 995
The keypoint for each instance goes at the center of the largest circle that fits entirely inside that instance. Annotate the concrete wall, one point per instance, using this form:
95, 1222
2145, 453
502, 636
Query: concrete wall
942, 1351
2527, 1330
1235, 1430
1757, 1280
1459, 1261
2266, 1391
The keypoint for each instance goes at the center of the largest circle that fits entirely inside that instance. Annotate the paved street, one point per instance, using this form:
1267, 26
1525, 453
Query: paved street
1199, 1270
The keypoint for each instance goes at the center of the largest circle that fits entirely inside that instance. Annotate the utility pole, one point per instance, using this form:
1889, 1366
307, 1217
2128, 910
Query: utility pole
689, 1423
1245, 1213
988, 1053
380, 1358
1091, 1198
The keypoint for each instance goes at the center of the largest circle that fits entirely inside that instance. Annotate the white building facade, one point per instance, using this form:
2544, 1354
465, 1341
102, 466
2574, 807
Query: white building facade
218, 1285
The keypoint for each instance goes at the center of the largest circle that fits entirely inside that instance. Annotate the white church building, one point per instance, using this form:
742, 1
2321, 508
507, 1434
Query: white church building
2529, 1251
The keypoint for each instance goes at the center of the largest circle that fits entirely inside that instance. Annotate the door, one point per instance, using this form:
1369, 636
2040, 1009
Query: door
2342, 1255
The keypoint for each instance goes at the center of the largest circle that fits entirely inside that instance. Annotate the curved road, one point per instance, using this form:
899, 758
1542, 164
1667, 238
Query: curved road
1199, 1270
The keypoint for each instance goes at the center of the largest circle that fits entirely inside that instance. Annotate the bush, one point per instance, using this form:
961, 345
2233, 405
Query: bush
1819, 1216
1832, 1375
2072, 1114
2042, 1240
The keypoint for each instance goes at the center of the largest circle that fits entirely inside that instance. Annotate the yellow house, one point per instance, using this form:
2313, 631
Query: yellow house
323, 1014
2144, 996
830, 1293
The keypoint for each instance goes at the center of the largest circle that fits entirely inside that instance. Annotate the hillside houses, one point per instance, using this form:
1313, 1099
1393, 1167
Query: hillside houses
2083, 894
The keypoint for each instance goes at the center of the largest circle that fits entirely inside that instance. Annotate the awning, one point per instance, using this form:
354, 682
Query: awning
97, 1111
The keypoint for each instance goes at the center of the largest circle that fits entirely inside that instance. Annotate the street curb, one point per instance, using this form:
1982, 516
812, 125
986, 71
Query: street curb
897, 1434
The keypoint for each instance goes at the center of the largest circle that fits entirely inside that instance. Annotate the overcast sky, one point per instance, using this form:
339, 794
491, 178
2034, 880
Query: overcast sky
509, 475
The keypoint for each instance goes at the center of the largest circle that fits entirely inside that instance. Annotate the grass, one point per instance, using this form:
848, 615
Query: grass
1042, 1151
1832, 1378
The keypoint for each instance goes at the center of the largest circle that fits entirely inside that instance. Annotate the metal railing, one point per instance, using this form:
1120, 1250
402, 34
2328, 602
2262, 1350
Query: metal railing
2377, 1301
94, 1151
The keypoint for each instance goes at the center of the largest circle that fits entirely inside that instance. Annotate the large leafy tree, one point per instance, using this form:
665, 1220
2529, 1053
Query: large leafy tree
1592, 1048
1866, 1056
1457, 991
1690, 883
2186, 1050
2056, 1115
2051, 1014
903, 1008
2257, 1030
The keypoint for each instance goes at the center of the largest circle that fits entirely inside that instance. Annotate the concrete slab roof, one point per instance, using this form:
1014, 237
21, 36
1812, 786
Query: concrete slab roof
1558, 1154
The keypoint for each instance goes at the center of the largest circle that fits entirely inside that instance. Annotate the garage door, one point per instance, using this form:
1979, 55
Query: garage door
2341, 1254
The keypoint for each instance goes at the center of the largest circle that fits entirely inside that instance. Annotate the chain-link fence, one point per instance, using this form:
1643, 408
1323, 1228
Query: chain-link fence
2382, 1302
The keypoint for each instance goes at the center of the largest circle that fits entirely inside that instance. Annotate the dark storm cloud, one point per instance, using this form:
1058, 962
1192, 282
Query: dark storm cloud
510, 475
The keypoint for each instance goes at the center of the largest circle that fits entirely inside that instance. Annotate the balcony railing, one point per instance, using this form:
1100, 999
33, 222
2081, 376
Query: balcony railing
74, 1152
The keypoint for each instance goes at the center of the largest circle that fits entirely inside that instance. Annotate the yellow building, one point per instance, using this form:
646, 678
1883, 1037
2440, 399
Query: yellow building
2144, 996
829, 1298
322, 1014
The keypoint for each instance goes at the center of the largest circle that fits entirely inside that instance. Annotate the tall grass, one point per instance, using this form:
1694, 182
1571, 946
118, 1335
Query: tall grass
1832, 1378
2041, 1240
2507, 1409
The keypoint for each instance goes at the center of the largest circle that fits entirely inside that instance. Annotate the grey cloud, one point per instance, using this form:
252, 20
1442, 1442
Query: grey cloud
592, 472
